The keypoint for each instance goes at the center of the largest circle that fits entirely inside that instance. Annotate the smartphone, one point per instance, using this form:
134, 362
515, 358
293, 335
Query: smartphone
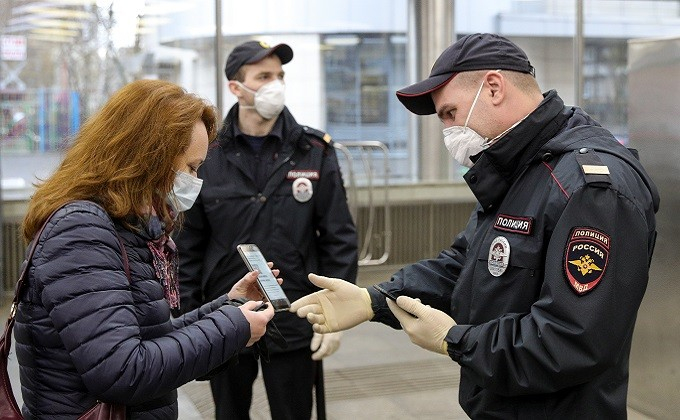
268, 285
388, 295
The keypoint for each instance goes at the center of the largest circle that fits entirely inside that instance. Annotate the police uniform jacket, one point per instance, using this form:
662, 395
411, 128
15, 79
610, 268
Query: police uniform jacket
85, 331
298, 236
547, 278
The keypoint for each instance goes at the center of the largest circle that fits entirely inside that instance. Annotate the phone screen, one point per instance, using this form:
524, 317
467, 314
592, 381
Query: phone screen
270, 287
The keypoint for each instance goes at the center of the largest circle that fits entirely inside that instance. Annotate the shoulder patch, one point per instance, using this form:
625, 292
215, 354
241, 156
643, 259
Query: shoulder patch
593, 169
585, 258
317, 133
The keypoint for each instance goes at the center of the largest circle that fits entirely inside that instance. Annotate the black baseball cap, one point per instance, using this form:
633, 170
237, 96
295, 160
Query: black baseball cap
253, 51
471, 52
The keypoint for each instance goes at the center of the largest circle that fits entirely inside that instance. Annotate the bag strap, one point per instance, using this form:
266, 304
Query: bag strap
126, 264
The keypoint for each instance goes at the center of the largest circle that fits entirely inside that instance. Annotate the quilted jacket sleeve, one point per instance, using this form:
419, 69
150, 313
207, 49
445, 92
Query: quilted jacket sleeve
83, 286
198, 313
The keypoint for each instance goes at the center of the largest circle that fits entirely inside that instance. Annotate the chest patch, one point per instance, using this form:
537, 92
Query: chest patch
303, 173
499, 256
514, 224
586, 258
302, 190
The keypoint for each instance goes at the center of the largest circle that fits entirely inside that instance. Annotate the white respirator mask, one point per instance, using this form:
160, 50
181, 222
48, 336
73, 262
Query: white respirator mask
269, 99
462, 141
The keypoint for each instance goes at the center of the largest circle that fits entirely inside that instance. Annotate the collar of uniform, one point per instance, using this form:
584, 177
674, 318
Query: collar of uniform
276, 132
230, 130
496, 168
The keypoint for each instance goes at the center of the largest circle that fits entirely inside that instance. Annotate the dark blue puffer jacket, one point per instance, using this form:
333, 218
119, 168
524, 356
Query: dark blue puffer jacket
85, 333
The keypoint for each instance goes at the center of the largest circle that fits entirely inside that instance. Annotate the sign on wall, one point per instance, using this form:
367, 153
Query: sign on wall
13, 48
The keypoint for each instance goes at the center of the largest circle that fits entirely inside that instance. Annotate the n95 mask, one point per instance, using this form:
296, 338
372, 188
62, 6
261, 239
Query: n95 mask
269, 99
462, 141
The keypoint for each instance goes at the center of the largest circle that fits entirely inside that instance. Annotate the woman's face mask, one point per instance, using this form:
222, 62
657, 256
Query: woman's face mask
185, 190
269, 99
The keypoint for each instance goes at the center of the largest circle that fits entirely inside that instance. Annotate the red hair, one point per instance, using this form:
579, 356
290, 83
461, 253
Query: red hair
123, 156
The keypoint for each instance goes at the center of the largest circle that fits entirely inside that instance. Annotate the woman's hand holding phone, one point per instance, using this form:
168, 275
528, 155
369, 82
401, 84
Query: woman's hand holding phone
268, 283
247, 286
257, 318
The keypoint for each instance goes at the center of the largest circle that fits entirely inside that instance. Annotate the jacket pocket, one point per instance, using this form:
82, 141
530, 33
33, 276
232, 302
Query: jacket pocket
508, 273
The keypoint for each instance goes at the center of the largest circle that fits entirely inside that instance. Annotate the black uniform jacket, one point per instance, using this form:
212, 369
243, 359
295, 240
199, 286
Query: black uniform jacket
316, 236
546, 280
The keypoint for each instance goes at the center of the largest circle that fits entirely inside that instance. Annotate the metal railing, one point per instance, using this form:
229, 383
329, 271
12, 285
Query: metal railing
365, 153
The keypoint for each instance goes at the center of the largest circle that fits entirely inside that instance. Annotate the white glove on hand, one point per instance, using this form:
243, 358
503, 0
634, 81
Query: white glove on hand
324, 345
340, 306
429, 327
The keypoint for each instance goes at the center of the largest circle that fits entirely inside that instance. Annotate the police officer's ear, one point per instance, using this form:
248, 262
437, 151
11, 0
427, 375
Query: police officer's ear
236, 89
497, 85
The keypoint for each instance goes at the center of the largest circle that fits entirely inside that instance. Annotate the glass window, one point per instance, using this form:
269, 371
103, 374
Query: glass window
60, 61
605, 84
545, 29
362, 72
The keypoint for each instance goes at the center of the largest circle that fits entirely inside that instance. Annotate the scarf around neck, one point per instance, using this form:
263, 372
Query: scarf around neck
165, 259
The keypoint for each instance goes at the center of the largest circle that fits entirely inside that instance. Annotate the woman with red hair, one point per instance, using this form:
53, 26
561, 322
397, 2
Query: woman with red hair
93, 323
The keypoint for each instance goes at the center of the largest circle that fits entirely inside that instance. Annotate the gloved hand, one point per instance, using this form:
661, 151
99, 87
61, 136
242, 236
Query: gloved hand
340, 306
324, 344
429, 326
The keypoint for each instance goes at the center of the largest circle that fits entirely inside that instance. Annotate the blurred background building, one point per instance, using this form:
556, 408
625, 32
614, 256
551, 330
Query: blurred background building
61, 59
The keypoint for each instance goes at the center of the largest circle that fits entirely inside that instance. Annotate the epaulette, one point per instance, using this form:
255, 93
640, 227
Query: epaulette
595, 172
322, 135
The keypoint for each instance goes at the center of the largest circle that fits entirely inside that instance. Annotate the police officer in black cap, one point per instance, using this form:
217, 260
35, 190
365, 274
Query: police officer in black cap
277, 184
537, 298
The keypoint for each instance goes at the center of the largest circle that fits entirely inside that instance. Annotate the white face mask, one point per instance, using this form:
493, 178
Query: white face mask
463, 142
185, 190
269, 99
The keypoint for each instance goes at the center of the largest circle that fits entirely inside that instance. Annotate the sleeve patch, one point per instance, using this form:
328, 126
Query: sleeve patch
586, 258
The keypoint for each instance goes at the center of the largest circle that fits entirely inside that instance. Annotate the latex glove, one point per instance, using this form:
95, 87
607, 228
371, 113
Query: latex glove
428, 328
324, 345
340, 306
